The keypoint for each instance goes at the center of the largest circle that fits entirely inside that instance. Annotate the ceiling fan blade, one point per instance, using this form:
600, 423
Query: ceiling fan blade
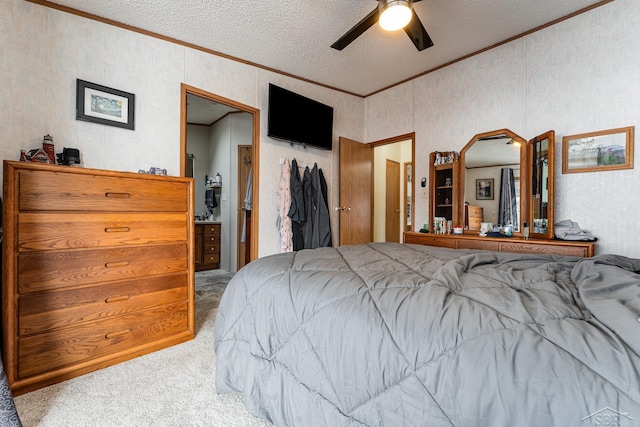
416, 32
362, 26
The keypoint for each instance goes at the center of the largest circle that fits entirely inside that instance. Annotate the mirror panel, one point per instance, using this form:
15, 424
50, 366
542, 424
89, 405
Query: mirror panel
540, 218
491, 166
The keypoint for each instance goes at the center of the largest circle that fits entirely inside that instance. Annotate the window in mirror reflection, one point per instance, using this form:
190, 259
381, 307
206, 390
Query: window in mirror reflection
497, 158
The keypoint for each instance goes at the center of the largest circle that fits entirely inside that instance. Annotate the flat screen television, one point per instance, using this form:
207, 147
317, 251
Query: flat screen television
298, 119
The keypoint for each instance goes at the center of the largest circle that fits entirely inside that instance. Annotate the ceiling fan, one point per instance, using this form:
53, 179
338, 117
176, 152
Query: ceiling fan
414, 28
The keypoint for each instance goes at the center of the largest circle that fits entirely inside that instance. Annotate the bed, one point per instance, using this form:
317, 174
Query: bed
386, 334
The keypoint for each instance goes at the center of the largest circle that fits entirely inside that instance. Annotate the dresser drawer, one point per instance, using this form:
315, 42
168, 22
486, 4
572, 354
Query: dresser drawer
210, 249
211, 229
528, 247
63, 191
478, 244
475, 223
41, 312
71, 231
474, 212
43, 271
81, 343
211, 258
209, 239
430, 240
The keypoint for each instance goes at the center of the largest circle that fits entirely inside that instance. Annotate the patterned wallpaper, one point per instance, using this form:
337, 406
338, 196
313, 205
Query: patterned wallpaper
577, 76
580, 75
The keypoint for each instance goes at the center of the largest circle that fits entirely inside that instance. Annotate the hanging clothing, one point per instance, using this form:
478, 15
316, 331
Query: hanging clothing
507, 206
247, 205
296, 211
307, 230
321, 231
284, 204
324, 189
210, 199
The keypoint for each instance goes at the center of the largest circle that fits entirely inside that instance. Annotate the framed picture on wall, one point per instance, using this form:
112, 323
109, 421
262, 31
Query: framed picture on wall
484, 189
598, 151
100, 104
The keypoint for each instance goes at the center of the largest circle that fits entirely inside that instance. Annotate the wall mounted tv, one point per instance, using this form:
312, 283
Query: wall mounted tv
298, 119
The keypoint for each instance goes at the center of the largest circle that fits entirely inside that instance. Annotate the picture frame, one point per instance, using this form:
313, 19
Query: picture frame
484, 189
603, 150
101, 104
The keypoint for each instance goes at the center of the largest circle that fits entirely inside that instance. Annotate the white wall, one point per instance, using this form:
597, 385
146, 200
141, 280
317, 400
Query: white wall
198, 144
578, 76
45, 50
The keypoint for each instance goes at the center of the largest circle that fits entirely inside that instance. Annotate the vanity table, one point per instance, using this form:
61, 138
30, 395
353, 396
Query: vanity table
501, 178
502, 244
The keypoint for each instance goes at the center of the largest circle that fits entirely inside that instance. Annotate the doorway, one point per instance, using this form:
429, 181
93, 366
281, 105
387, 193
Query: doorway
363, 187
192, 101
392, 196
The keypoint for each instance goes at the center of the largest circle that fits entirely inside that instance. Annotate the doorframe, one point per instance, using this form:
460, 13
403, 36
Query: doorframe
393, 140
186, 89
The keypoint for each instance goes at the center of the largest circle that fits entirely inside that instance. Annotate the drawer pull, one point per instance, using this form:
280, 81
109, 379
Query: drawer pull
117, 334
213, 239
117, 264
118, 195
213, 249
117, 299
117, 229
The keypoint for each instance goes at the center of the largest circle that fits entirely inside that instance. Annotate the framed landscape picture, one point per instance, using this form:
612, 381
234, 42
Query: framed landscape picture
484, 189
598, 151
100, 104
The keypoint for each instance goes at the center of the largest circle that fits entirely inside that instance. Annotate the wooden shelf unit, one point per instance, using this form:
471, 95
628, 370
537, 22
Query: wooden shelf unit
442, 194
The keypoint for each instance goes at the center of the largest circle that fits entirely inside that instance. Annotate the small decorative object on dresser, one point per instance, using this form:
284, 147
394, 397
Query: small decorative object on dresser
97, 269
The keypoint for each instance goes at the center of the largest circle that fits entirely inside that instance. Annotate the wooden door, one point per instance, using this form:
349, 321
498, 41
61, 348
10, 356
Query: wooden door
392, 202
356, 189
244, 218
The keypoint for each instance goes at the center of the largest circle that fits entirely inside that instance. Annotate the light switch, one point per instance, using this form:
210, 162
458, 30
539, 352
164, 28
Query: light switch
425, 193
223, 197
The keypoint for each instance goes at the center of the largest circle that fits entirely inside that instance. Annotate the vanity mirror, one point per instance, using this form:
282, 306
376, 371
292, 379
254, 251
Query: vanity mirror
522, 176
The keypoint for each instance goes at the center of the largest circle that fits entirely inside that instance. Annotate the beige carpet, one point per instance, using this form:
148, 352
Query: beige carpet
171, 387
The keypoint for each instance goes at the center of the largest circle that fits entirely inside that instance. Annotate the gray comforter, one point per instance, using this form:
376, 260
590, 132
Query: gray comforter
404, 335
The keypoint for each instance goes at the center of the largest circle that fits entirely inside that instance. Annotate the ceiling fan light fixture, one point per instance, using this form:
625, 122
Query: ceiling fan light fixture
394, 14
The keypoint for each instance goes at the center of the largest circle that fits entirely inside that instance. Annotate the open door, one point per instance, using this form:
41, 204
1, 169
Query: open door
245, 162
392, 202
356, 192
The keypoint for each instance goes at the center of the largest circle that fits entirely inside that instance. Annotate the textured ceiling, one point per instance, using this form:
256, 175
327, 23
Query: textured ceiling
294, 36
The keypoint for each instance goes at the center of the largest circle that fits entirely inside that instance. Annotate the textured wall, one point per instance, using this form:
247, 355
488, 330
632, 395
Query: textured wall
577, 76
574, 77
43, 51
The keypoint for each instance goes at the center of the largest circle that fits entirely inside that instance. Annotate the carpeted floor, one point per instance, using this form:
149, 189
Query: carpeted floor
170, 387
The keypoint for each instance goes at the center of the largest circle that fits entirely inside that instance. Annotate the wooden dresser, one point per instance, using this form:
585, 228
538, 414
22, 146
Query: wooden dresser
207, 241
506, 244
474, 216
97, 269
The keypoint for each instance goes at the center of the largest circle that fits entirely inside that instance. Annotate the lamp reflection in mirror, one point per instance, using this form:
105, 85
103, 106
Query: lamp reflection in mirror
394, 14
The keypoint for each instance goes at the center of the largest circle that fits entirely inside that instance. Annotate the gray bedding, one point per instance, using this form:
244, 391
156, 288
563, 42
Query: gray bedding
405, 335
